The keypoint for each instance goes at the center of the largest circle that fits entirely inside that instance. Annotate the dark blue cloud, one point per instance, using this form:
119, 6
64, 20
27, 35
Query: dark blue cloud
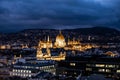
50, 13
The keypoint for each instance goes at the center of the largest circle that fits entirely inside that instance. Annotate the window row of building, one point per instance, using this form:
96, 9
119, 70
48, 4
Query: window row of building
76, 65
31, 69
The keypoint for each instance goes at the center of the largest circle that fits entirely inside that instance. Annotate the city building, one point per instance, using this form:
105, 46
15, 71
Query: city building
47, 55
59, 43
73, 42
46, 43
106, 65
32, 68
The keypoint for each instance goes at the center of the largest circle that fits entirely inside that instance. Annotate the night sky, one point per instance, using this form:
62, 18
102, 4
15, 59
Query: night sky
16, 15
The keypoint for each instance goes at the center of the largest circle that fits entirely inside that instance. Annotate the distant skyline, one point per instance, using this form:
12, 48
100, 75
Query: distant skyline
16, 15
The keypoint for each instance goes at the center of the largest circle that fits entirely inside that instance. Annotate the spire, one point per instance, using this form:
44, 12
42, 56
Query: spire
48, 39
45, 39
60, 31
68, 38
39, 53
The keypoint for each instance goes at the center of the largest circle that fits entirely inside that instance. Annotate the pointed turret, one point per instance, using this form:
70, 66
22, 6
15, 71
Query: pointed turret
48, 52
48, 39
39, 53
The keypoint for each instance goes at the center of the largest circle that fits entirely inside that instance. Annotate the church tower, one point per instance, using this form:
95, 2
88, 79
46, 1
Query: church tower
39, 53
47, 43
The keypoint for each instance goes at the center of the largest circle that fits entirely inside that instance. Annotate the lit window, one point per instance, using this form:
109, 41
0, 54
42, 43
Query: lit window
88, 69
29, 71
100, 65
107, 70
37, 67
88, 65
29, 75
21, 70
101, 70
72, 64
110, 66
118, 71
13, 70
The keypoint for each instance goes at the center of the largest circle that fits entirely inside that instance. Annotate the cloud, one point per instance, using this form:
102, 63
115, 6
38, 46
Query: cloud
39, 13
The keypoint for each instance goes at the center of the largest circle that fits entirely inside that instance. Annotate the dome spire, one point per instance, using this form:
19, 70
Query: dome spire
60, 31
48, 39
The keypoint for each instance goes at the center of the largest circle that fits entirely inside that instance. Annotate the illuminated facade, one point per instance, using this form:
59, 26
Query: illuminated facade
39, 54
79, 47
76, 45
73, 42
47, 56
32, 68
46, 43
5, 47
60, 41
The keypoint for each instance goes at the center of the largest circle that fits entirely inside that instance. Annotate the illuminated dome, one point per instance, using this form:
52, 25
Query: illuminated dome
60, 41
60, 37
